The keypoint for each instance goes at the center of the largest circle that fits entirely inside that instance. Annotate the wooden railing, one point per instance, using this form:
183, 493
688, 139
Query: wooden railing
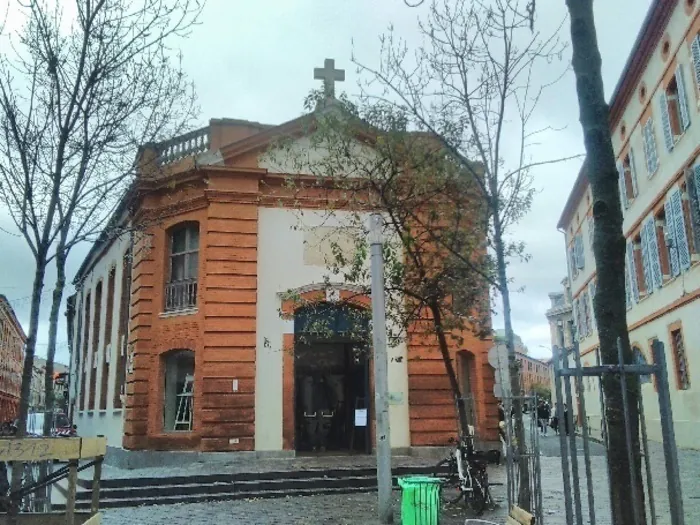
180, 295
20, 451
177, 148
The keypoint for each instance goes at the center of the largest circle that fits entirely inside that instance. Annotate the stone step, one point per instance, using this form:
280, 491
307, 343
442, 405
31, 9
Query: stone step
206, 479
107, 503
132, 492
280, 485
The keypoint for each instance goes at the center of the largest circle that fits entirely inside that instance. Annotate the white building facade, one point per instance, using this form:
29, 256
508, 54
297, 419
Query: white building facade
655, 125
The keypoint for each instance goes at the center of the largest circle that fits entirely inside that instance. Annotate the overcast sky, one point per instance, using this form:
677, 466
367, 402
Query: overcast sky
255, 60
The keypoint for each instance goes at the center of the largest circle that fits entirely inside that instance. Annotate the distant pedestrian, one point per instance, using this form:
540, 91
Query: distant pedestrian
555, 421
543, 413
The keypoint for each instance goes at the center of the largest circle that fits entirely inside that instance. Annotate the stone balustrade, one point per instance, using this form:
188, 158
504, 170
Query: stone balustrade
177, 148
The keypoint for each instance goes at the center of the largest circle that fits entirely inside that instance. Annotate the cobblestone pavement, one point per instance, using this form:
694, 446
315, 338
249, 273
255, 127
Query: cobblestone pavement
360, 509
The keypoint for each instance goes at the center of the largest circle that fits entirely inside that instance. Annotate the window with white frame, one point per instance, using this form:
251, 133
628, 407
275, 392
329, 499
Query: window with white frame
673, 103
627, 179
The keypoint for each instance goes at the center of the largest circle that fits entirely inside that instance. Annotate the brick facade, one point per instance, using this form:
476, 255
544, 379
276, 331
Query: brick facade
224, 200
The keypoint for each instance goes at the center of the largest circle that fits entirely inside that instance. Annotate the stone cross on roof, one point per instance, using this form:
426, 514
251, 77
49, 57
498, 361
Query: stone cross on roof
330, 76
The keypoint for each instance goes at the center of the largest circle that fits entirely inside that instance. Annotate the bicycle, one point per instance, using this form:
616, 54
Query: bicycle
464, 476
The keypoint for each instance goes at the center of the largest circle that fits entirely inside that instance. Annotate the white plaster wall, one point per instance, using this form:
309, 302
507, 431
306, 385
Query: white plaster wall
686, 404
303, 156
107, 422
281, 268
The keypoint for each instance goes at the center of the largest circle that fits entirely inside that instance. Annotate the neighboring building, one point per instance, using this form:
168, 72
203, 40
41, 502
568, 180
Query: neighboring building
500, 336
534, 374
12, 339
655, 125
184, 335
37, 389
561, 328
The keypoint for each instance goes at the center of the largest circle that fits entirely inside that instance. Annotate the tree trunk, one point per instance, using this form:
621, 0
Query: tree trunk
29, 348
524, 497
57, 297
609, 251
450, 369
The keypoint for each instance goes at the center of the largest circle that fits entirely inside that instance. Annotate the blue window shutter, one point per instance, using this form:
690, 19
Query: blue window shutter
628, 291
585, 314
646, 259
632, 274
695, 48
671, 233
650, 147
591, 294
681, 240
657, 277
621, 185
577, 321
580, 258
572, 259
682, 97
692, 181
591, 231
633, 173
666, 121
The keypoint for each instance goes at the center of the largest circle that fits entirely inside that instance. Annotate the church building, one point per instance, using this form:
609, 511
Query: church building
187, 333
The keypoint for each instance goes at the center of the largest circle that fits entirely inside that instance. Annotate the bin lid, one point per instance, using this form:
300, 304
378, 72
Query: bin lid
408, 481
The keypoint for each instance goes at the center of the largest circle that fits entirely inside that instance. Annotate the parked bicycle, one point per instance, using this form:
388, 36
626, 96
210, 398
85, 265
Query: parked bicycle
465, 477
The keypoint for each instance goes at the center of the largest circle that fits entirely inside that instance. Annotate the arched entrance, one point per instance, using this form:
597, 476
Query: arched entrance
331, 378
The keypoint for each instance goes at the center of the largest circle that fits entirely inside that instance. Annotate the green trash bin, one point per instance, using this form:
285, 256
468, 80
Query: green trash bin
420, 500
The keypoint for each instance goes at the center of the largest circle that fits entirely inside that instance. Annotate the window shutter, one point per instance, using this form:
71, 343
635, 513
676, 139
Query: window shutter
628, 292
692, 181
632, 274
650, 147
577, 321
646, 259
666, 121
671, 233
581, 252
682, 97
591, 294
621, 185
585, 314
695, 47
591, 231
657, 277
633, 173
572, 259
681, 240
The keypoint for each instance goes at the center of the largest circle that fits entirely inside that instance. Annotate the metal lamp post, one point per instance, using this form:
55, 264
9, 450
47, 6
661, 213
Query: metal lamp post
381, 380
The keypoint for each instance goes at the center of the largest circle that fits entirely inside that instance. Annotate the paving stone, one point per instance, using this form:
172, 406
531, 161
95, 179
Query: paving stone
360, 509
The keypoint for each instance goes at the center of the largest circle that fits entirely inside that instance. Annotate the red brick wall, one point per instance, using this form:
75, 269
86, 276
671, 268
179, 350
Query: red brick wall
221, 333
432, 408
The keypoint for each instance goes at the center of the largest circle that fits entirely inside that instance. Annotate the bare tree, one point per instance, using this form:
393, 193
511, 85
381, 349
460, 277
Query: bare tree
435, 257
471, 86
609, 252
78, 96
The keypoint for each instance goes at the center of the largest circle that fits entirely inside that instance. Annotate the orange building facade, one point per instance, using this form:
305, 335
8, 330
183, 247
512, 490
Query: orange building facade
12, 340
186, 337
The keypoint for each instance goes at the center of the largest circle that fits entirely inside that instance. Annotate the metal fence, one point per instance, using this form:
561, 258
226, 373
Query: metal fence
567, 378
528, 458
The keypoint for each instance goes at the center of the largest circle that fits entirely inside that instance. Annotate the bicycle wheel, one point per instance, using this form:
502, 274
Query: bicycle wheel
477, 498
451, 491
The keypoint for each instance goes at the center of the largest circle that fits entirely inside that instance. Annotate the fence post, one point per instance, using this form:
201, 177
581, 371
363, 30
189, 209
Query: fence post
556, 356
675, 496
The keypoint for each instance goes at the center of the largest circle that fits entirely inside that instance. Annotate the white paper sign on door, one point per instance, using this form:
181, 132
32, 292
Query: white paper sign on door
361, 417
